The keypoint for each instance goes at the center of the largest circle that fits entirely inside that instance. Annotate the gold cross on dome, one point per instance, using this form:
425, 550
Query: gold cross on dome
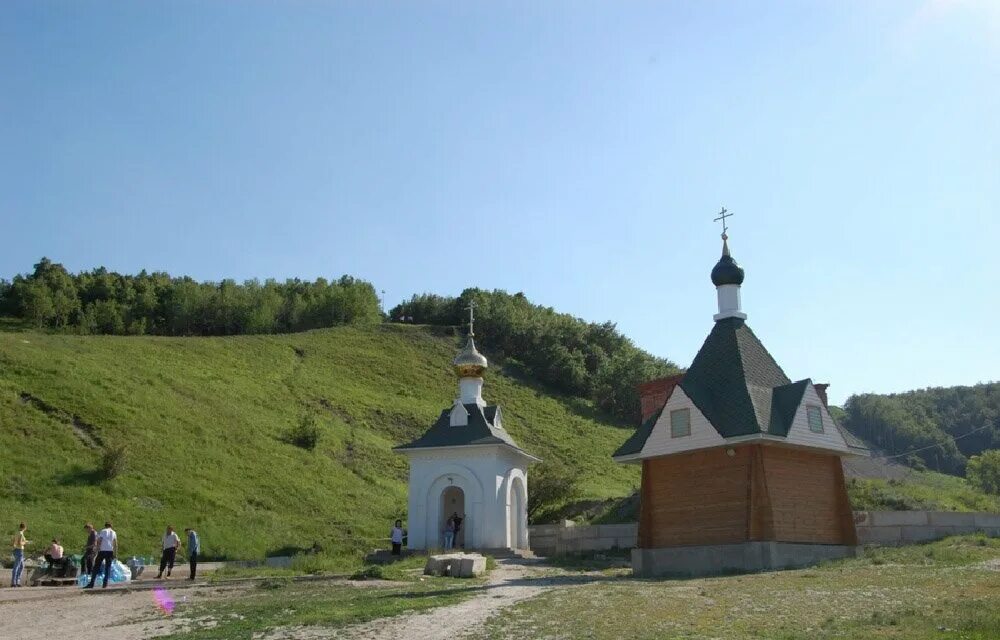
722, 216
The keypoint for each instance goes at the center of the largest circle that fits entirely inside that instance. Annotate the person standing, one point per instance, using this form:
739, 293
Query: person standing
170, 543
89, 549
449, 534
107, 547
458, 525
193, 549
396, 537
18, 543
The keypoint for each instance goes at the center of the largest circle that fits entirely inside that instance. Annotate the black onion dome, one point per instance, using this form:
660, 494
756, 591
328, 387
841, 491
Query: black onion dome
726, 271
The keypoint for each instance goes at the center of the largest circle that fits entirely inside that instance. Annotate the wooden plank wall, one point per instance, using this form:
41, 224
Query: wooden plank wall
808, 497
760, 493
695, 498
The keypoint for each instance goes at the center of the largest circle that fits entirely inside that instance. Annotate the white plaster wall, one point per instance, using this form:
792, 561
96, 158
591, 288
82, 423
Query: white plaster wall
516, 501
483, 473
703, 434
799, 433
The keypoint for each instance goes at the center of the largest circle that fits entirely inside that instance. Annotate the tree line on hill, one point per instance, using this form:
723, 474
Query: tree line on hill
104, 302
937, 428
567, 354
585, 359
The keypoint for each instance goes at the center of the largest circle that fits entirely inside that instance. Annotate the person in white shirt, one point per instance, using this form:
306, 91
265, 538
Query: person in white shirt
170, 543
107, 547
396, 537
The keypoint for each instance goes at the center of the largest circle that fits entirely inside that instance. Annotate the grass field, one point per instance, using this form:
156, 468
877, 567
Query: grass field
205, 422
947, 590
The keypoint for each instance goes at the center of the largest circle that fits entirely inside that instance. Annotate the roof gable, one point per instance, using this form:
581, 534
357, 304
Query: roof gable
785, 401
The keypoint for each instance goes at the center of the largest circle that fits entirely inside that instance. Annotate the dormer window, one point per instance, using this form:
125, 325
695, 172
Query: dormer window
815, 418
680, 423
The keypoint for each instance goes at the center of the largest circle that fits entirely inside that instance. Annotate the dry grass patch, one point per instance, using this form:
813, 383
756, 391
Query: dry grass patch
946, 589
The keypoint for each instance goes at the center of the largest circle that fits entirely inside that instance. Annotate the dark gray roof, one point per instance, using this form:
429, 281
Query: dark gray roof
738, 387
481, 429
731, 378
785, 401
637, 441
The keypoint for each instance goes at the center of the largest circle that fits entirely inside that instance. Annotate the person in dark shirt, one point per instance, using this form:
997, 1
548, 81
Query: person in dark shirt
89, 550
458, 526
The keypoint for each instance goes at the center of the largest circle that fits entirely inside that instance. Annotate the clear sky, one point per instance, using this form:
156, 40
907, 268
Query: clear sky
574, 151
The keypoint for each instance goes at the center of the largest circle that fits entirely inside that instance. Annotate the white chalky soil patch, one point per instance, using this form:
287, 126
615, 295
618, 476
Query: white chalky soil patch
511, 582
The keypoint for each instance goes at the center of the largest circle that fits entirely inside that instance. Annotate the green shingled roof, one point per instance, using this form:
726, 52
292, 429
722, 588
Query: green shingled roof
637, 441
480, 430
785, 401
731, 380
738, 387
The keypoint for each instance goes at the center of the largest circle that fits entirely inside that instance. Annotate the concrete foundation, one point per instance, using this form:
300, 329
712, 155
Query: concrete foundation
703, 560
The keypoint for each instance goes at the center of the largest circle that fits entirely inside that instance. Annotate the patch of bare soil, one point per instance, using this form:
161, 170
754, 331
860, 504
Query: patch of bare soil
116, 613
511, 582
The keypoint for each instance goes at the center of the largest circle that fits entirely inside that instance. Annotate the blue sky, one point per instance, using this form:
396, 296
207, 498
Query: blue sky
573, 151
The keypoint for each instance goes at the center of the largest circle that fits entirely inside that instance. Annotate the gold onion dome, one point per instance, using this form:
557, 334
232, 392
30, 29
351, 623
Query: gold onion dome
469, 363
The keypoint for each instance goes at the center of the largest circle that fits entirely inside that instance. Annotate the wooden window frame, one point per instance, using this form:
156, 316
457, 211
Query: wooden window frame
673, 430
819, 412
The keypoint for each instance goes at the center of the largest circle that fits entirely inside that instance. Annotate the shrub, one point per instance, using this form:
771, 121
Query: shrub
305, 435
552, 484
984, 471
371, 572
114, 461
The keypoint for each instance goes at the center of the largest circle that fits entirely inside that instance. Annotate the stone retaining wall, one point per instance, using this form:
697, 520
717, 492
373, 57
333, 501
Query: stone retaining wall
903, 527
874, 527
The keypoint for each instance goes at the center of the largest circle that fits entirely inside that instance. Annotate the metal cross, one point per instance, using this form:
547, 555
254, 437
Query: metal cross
722, 216
472, 315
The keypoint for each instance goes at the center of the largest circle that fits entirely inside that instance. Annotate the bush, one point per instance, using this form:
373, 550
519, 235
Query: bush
984, 471
306, 434
552, 485
114, 461
371, 572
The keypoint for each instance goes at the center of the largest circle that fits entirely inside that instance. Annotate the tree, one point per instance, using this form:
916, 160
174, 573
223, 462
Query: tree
567, 354
552, 485
100, 301
984, 471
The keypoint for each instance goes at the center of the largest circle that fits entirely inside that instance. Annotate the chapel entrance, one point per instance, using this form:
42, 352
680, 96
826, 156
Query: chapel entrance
452, 502
516, 517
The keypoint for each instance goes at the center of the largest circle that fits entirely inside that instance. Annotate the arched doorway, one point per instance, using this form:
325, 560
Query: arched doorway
452, 502
517, 518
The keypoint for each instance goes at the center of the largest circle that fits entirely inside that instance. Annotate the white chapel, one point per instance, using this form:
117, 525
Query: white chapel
467, 464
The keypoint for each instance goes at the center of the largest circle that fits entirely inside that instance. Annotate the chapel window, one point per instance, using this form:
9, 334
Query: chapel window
680, 423
815, 417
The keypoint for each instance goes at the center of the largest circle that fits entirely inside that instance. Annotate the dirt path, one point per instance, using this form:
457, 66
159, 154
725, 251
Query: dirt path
51, 613
511, 582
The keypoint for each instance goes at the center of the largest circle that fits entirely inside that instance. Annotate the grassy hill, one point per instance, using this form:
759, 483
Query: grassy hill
205, 422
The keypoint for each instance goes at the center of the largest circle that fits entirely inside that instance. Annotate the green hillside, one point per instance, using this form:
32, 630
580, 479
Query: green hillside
937, 428
205, 422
